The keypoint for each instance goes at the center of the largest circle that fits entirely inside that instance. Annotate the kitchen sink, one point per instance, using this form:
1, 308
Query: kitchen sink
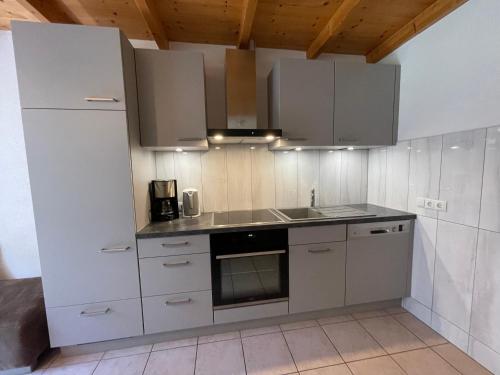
321, 213
305, 213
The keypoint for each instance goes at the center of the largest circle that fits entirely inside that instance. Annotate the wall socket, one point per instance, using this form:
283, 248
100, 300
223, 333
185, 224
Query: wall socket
432, 204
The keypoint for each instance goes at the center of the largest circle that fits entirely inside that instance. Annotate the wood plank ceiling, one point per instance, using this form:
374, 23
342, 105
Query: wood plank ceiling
373, 28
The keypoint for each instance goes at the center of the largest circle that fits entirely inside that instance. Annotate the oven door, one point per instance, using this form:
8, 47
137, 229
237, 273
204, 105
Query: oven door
249, 278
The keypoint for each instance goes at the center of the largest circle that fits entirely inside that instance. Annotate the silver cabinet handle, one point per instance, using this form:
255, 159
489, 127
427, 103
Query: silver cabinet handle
178, 301
100, 99
296, 139
181, 263
174, 244
190, 139
379, 231
246, 255
95, 313
314, 251
115, 249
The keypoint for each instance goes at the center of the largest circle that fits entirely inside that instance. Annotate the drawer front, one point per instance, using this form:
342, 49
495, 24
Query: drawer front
177, 311
175, 274
317, 276
157, 247
82, 324
325, 233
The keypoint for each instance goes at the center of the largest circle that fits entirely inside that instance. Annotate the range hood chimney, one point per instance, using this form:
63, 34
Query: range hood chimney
241, 103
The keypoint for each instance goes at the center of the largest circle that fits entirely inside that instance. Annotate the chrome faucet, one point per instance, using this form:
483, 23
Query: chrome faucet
313, 198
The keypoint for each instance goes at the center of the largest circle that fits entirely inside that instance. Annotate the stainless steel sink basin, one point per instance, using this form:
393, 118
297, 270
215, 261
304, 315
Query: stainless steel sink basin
305, 213
321, 213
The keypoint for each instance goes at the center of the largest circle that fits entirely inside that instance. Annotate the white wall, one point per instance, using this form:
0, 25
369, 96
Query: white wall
450, 75
18, 245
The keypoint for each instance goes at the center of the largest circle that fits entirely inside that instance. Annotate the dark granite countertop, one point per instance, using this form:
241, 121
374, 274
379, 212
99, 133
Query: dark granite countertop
204, 223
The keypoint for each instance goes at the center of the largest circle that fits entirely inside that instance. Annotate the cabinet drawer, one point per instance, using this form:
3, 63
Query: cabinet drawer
82, 324
177, 311
175, 274
320, 234
157, 247
317, 276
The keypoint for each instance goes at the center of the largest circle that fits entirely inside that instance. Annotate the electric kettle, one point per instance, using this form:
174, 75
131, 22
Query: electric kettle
190, 203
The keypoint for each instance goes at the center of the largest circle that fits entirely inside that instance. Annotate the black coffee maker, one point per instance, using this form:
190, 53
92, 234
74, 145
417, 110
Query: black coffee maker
164, 202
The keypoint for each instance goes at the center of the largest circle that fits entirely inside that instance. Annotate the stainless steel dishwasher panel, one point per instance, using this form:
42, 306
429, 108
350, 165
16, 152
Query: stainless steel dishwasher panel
377, 261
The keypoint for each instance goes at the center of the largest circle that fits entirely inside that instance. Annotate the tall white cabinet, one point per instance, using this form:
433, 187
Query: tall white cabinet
79, 106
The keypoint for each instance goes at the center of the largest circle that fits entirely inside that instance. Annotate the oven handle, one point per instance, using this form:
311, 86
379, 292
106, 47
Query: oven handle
254, 254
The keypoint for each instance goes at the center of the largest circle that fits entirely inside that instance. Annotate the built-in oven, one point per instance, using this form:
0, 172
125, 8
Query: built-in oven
249, 267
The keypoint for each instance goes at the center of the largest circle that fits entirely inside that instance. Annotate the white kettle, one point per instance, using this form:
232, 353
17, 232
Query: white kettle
190, 203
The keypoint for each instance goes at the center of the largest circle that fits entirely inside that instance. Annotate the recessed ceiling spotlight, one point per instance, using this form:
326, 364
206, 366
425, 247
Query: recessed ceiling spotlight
285, 152
252, 148
217, 148
218, 137
270, 137
330, 151
455, 147
298, 149
350, 148
178, 149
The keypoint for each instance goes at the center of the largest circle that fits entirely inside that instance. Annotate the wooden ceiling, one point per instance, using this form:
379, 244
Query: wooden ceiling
373, 28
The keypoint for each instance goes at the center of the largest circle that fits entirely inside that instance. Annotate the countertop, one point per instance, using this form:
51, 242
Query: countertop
204, 223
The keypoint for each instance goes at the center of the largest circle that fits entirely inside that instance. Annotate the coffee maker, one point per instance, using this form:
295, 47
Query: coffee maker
164, 202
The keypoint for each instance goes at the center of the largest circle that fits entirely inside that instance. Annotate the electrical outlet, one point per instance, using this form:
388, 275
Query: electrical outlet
420, 202
429, 203
441, 205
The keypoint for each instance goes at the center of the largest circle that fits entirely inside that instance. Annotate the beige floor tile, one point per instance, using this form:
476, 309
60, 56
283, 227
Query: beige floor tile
376, 366
461, 361
130, 365
63, 360
330, 370
393, 337
220, 358
175, 344
395, 310
299, 325
311, 348
335, 319
423, 362
267, 355
260, 331
369, 314
78, 369
352, 341
219, 337
178, 361
127, 351
420, 329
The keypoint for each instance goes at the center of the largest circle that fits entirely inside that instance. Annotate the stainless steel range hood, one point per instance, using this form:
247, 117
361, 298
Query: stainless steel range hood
241, 103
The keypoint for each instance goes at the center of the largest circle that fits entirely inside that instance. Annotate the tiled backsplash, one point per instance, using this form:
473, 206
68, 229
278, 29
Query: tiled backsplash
236, 177
456, 255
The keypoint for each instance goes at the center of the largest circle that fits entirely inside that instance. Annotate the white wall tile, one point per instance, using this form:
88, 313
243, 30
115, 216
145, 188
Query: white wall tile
377, 171
454, 272
424, 255
239, 177
490, 202
485, 324
354, 174
398, 165
308, 177
165, 169
263, 181
329, 177
450, 332
214, 179
286, 164
461, 176
484, 355
425, 171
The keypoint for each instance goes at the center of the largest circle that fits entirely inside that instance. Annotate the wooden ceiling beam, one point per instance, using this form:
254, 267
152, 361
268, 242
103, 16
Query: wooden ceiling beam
428, 17
249, 8
150, 13
45, 11
332, 28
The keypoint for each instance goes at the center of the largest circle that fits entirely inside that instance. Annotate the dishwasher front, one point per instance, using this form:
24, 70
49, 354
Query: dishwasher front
378, 261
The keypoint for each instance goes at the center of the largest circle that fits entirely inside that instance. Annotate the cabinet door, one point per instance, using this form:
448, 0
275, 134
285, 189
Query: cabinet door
302, 97
317, 276
80, 178
68, 66
365, 104
171, 87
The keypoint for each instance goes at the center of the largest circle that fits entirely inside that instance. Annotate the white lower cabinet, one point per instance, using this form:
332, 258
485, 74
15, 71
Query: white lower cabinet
177, 311
82, 324
317, 276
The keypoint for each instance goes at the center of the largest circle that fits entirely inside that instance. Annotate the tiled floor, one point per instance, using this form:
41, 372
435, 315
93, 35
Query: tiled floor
383, 342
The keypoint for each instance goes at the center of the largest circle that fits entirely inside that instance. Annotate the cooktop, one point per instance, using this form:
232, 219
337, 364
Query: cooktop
245, 217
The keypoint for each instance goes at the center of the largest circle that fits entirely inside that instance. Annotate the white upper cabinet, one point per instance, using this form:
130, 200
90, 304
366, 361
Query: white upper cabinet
68, 67
171, 88
366, 104
301, 102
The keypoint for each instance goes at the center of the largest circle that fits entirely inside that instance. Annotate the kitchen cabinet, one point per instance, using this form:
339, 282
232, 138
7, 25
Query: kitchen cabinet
301, 94
68, 66
178, 245
366, 104
171, 87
